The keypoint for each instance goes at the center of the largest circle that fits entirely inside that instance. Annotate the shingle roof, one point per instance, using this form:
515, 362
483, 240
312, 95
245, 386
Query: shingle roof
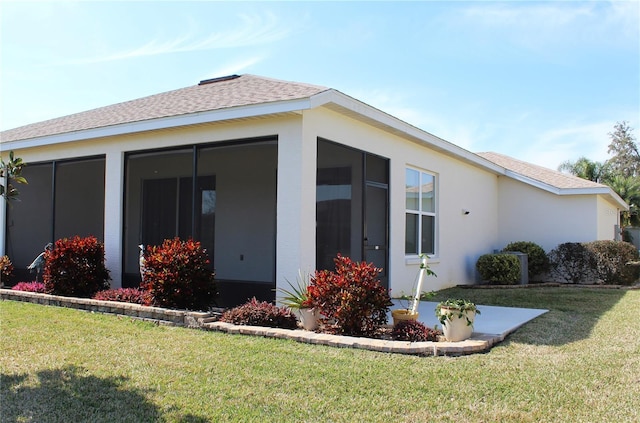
218, 94
550, 177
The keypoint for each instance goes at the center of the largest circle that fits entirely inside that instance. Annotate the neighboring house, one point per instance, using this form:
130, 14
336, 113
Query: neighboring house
273, 177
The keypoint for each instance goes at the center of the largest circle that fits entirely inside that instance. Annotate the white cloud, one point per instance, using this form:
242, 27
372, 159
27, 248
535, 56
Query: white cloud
253, 30
569, 142
548, 24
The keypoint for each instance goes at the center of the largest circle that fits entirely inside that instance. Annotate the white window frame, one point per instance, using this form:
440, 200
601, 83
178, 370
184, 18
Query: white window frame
421, 212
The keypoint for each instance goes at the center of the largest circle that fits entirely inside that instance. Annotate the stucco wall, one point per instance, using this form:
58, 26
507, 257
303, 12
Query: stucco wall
501, 209
608, 218
531, 214
461, 239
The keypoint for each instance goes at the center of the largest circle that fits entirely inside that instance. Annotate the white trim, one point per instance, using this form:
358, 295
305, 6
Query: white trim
411, 260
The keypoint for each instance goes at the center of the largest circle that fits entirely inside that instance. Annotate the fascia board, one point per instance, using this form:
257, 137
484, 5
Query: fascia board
396, 125
161, 123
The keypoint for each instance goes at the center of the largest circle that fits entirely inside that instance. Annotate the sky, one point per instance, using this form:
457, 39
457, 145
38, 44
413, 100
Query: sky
543, 82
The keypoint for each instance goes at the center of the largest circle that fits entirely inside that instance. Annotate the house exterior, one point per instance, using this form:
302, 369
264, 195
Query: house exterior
274, 177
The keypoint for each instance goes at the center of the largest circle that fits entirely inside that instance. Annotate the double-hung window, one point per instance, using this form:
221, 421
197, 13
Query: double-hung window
420, 199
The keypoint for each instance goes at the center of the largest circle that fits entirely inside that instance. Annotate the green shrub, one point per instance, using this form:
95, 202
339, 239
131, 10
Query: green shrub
75, 267
261, 313
573, 262
536, 256
351, 298
611, 258
501, 269
176, 275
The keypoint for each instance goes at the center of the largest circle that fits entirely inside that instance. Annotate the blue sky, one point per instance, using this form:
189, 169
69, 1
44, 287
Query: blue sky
539, 81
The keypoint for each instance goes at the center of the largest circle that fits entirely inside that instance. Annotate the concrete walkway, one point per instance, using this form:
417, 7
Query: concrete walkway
493, 320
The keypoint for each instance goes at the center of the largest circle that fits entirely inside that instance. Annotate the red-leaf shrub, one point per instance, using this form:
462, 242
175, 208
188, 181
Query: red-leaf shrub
351, 298
176, 275
30, 287
260, 313
414, 331
124, 295
75, 267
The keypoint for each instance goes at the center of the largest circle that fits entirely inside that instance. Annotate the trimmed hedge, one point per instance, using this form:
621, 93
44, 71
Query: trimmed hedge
572, 262
611, 261
501, 269
536, 256
603, 262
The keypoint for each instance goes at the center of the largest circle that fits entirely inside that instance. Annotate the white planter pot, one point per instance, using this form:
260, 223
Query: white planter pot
457, 329
309, 318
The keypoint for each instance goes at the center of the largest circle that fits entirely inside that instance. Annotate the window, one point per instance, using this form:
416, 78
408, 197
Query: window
420, 215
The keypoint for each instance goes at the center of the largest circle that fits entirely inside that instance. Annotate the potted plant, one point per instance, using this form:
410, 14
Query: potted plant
456, 317
408, 305
410, 311
297, 298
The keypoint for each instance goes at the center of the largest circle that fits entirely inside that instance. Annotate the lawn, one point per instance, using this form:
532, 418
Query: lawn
578, 363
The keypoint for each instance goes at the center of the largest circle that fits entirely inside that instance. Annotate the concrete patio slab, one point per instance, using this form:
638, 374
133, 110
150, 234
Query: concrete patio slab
493, 320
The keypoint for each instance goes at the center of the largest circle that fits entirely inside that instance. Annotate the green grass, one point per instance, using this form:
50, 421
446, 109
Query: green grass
578, 363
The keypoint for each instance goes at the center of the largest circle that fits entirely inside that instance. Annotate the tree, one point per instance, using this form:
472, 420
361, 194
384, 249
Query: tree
587, 169
628, 188
11, 172
626, 158
621, 172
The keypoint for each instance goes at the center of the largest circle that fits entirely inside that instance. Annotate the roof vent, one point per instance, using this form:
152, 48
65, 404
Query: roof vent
220, 79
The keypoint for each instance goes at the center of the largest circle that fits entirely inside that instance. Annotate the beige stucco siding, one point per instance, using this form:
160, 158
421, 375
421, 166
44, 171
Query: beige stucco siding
461, 239
531, 214
501, 209
608, 218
